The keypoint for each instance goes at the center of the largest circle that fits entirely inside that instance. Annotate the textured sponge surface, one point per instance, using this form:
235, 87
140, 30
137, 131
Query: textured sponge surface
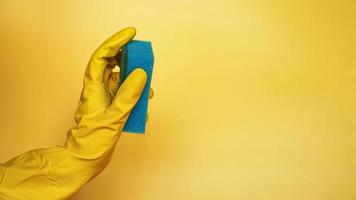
137, 54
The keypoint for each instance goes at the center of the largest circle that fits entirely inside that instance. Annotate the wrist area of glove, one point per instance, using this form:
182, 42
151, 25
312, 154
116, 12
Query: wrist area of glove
95, 134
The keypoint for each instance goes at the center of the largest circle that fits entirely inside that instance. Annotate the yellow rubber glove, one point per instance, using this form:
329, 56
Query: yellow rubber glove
57, 173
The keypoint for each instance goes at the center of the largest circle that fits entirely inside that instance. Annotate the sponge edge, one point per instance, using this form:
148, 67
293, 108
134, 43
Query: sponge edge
137, 54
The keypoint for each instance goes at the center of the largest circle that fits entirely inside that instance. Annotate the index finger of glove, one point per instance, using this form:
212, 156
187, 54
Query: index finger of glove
98, 62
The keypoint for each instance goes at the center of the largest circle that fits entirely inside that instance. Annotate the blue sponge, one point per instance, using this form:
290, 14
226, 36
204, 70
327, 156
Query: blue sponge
137, 54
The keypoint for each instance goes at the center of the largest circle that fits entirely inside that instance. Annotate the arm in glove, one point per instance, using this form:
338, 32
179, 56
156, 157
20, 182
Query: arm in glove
57, 173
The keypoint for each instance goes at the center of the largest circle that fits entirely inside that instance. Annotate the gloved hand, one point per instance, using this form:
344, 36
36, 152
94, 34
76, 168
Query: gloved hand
57, 173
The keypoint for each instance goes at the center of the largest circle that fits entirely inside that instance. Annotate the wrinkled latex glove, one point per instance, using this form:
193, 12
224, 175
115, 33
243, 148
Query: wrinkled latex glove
57, 173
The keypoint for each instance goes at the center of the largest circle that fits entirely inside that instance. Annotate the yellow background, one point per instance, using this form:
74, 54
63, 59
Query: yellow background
254, 99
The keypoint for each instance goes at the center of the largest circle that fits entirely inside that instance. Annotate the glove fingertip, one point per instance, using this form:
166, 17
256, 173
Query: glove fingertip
130, 91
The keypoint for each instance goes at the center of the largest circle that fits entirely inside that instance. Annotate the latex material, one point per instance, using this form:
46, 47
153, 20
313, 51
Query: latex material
56, 173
